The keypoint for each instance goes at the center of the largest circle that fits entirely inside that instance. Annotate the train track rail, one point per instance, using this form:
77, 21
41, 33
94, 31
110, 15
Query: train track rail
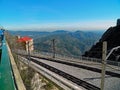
78, 81
113, 74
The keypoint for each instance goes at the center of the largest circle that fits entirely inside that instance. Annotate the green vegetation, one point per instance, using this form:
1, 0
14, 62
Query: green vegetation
27, 75
49, 84
26, 72
67, 43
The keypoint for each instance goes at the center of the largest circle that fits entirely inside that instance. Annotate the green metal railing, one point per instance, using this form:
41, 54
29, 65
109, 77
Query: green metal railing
6, 74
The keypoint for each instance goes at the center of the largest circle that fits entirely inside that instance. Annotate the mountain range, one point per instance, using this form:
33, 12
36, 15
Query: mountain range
66, 42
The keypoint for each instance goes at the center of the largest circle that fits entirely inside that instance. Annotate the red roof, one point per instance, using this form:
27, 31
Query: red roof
24, 39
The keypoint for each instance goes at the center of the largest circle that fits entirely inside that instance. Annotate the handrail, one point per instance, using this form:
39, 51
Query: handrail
16, 73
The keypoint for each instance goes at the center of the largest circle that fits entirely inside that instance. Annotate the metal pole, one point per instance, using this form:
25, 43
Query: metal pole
104, 51
53, 48
109, 53
115, 48
28, 51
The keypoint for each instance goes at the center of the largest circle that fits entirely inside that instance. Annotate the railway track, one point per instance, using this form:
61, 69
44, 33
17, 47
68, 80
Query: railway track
113, 74
78, 81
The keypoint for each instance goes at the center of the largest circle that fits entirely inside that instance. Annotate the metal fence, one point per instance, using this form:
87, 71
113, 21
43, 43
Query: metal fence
65, 57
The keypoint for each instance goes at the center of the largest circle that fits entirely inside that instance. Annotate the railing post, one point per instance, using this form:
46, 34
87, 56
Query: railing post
104, 51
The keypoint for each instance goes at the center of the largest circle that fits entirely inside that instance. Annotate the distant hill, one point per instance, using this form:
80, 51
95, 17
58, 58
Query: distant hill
67, 43
112, 37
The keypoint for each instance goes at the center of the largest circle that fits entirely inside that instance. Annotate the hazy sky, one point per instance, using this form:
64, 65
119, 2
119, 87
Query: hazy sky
59, 14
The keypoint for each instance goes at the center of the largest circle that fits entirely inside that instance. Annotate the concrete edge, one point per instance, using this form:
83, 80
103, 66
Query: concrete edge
18, 79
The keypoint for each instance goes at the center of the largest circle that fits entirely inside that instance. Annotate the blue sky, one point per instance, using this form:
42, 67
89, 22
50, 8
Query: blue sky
59, 14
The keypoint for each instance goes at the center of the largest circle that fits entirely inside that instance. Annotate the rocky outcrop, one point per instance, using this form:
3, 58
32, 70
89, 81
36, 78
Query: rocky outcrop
118, 22
37, 82
34, 80
112, 36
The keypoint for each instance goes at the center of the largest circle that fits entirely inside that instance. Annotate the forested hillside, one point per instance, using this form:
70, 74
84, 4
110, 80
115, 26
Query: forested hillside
67, 43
